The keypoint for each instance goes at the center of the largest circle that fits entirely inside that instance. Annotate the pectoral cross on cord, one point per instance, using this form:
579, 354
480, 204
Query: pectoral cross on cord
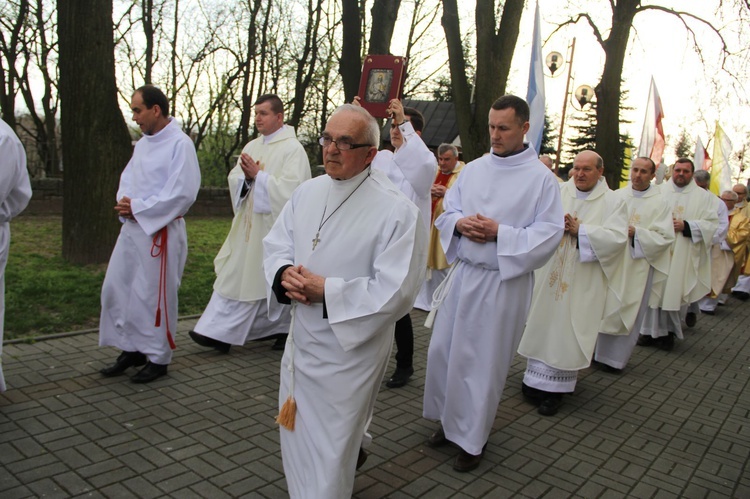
324, 219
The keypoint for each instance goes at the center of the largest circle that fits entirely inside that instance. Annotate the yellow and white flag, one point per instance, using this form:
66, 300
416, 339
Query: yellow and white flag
721, 172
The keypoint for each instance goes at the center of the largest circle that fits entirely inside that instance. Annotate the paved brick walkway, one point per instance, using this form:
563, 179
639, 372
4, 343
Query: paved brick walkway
672, 425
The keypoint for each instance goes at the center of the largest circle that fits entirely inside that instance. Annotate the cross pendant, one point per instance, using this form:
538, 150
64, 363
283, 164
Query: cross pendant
316, 240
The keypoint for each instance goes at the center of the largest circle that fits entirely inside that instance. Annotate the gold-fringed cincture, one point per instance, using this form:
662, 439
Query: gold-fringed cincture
288, 411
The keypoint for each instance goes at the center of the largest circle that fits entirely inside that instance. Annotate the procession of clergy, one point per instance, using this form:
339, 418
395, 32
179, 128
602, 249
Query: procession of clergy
505, 256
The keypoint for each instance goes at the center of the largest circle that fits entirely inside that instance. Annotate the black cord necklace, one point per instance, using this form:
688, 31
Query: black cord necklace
324, 219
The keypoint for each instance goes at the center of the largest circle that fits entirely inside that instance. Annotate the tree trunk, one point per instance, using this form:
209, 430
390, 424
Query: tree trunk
350, 65
10, 44
96, 142
306, 62
494, 56
147, 17
609, 89
384, 14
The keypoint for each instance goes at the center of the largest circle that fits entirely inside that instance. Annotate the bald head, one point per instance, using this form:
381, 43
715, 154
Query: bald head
544, 158
588, 168
741, 191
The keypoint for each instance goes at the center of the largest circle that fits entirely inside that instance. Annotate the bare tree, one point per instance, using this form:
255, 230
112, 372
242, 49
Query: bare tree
12, 21
609, 88
494, 50
40, 54
96, 143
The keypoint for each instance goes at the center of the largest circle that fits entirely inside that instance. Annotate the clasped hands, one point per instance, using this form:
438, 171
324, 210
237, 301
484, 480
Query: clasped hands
249, 166
478, 228
302, 285
571, 224
123, 208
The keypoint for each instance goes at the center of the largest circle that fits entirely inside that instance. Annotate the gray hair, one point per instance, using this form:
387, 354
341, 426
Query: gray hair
371, 128
702, 176
444, 148
730, 196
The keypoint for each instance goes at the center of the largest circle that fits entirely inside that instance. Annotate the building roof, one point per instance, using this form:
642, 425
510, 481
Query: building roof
440, 123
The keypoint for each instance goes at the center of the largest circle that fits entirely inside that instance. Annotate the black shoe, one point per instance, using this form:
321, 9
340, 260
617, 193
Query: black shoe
361, 458
205, 341
550, 404
532, 395
606, 367
467, 462
690, 319
609, 369
666, 342
124, 360
400, 377
149, 373
280, 343
437, 439
646, 341
741, 295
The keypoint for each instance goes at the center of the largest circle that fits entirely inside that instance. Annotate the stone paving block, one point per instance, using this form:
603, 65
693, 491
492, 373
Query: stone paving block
47, 488
662, 481
506, 478
165, 472
8, 481
535, 489
41, 472
98, 468
584, 469
229, 477
219, 462
204, 489
200, 467
73, 456
245, 487
18, 467
141, 488
561, 480
9, 454
644, 491
73, 484
179, 482
18, 493
137, 462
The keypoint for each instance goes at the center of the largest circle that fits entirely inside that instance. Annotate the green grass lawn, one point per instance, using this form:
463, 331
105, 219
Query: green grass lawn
44, 294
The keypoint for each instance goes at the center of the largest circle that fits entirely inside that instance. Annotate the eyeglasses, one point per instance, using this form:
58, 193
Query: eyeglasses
341, 144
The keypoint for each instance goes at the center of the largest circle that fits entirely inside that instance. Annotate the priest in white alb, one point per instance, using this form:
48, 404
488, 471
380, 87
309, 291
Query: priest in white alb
139, 294
571, 290
348, 250
645, 265
694, 220
437, 265
411, 167
267, 172
503, 219
15, 193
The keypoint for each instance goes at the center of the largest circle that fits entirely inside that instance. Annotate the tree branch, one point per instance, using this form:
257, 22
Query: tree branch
574, 21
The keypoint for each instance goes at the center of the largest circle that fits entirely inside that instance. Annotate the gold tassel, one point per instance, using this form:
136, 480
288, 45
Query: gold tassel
287, 414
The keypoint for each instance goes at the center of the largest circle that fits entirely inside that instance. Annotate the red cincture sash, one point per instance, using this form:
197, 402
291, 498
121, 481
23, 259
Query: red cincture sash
159, 250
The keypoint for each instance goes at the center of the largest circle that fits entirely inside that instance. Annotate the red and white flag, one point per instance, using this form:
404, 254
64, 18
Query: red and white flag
701, 158
652, 136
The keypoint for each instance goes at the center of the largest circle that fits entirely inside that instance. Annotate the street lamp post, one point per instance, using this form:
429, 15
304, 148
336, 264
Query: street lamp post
565, 105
